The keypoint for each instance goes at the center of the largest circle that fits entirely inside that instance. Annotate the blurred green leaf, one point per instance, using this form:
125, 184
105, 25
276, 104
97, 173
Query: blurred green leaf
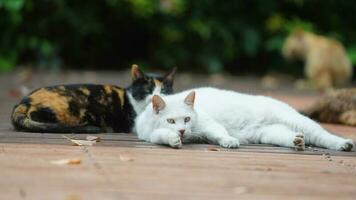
33, 42
112, 2
351, 52
6, 64
201, 28
296, 22
175, 7
46, 49
251, 42
214, 65
12, 5
144, 8
275, 23
299, 3
229, 35
171, 34
274, 43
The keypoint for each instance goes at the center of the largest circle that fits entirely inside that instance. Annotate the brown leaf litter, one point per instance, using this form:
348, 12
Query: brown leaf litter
93, 138
67, 162
80, 142
213, 149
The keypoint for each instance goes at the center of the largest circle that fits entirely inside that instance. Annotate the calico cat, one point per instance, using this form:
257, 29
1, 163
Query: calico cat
229, 119
337, 106
89, 108
326, 62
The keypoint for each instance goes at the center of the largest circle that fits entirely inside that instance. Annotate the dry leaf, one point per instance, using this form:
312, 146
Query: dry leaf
80, 142
212, 149
67, 162
126, 158
93, 138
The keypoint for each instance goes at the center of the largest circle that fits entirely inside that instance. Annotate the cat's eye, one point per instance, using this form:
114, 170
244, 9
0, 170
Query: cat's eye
171, 121
187, 119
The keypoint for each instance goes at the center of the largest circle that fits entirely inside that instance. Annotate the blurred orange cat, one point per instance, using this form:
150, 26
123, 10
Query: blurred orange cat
326, 62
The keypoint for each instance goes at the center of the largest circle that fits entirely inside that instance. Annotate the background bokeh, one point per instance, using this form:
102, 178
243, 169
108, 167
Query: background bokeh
202, 36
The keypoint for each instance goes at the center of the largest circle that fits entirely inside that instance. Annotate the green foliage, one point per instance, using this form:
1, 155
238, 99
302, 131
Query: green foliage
351, 51
238, 36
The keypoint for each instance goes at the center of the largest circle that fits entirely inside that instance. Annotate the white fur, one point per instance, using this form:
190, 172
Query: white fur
229, 118
138, 106
155, 128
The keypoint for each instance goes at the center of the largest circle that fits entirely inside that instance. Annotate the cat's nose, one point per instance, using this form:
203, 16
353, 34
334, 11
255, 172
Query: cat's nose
181, 132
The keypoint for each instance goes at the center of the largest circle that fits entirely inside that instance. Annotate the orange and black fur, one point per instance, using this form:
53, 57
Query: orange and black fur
338, 106
88, 108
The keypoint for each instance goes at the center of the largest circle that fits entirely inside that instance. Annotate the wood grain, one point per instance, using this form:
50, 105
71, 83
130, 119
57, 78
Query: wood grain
124, 167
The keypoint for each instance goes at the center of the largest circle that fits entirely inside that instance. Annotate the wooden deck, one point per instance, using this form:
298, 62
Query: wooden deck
123, 167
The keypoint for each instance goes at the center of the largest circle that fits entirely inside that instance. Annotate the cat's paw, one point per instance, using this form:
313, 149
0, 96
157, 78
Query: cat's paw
229, 142
175, 141
299, 143
346, 145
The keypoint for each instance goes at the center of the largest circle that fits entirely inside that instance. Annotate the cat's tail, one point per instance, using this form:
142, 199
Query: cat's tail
313, 111
22, 122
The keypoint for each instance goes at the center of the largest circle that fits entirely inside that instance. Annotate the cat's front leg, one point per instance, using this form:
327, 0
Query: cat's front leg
220, 136
216, 133
167, 137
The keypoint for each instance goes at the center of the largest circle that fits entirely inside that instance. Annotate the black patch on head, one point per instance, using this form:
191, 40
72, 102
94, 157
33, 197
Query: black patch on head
44, 115
141, 88
167, 87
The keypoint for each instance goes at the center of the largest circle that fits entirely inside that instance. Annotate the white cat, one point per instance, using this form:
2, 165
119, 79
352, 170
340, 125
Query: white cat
229, 119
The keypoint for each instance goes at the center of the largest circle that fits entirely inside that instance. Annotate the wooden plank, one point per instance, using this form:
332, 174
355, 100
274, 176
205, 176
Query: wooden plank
131, 140
195, 147
124, 167
106, 136
173, 174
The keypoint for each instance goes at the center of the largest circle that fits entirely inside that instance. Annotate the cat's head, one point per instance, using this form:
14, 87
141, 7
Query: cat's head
144, 86
176, 114
295, 45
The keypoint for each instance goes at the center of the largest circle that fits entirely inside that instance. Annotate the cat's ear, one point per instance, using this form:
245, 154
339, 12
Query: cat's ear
189, 100
136, 73
171, 74
158, 103
298, 33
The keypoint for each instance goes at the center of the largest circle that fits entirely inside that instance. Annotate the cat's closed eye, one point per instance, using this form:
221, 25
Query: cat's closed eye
171, 121
187, 119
